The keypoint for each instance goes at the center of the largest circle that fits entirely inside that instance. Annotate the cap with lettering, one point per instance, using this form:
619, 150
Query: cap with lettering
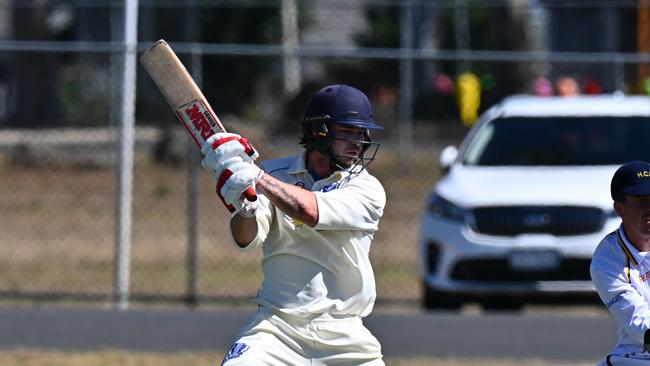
632, 178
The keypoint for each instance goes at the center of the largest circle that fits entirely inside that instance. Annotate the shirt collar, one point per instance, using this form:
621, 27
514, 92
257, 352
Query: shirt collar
629, 249
299, 165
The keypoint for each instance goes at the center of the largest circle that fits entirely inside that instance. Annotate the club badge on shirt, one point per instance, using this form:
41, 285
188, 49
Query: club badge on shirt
236, 350
297, 224
644, 277
330, 187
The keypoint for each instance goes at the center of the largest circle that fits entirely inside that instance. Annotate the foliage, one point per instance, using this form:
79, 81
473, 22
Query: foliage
240, 77
83, 93
484, 34
384, 28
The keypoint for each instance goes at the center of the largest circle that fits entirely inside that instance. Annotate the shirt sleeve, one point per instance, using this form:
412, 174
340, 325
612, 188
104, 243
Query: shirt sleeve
357, 205
264, 217
628, 307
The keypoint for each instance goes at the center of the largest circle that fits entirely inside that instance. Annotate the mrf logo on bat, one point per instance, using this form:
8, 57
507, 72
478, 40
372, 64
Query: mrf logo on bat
197, 118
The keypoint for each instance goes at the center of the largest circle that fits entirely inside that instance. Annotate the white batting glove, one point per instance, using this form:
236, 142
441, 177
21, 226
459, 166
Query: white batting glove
245, 208
218, 170
224, 146
236, 178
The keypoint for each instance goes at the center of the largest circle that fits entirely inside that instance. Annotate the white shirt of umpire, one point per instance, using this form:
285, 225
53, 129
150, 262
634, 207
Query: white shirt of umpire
621, 275
325, 269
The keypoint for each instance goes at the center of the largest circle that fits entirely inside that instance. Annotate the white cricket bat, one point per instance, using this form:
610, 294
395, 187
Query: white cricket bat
183, 95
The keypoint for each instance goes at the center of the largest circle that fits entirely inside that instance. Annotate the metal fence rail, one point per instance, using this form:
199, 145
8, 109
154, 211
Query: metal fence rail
65, 193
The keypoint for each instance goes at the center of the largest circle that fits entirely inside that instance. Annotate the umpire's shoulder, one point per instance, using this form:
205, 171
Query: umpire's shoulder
275, 165
607, 252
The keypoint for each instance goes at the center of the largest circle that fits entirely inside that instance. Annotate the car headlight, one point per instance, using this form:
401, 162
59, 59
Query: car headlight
441, 207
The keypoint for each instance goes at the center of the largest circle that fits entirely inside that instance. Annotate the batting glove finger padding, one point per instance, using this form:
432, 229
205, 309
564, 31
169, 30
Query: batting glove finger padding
227, 147
234, 180
245, 208
222, 146
218, 170
207, 146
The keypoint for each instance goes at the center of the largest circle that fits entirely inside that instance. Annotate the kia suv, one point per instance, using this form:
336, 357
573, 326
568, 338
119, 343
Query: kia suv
525, 199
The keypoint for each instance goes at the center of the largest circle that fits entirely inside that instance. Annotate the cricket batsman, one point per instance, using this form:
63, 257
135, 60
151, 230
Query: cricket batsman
314, 219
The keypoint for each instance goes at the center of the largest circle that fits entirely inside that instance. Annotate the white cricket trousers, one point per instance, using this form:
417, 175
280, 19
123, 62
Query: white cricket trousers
269, 339
633, 360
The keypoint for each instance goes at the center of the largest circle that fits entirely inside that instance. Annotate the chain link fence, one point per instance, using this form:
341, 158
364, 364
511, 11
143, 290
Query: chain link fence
258, 63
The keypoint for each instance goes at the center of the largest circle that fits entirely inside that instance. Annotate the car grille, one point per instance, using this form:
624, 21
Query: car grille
498, 270
555, 220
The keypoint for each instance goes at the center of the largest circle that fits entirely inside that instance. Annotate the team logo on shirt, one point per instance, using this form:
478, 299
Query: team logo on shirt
615, 299
329, 187
236, 350
645, 276
297, 224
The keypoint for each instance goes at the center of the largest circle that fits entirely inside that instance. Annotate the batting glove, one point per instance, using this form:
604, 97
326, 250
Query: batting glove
236, 178
227, 164
245, 208
221, 147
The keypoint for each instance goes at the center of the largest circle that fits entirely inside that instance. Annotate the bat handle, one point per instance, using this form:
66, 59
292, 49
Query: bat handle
250, 194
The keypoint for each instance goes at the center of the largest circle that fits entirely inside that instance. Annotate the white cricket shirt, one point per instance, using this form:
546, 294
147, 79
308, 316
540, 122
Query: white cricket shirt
324, 269
620, 274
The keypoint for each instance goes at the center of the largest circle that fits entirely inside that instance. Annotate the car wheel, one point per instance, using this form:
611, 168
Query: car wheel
432, 299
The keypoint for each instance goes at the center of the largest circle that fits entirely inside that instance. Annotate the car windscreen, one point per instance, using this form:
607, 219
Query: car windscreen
559, 141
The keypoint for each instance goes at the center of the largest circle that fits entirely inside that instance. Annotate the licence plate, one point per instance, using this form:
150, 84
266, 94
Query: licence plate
533, 260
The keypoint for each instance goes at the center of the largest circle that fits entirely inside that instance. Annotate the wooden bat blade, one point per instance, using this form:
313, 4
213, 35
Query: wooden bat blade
181, 92
183, 95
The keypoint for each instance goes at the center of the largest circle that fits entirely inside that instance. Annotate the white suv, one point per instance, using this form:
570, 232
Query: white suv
525, 200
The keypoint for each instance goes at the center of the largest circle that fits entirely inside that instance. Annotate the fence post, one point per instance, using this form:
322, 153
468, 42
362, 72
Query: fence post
191, 297
462, 34
619, 75
291, 63
405, 127
126, 81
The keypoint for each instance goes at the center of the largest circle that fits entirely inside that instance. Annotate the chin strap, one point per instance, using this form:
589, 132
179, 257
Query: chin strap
321, 140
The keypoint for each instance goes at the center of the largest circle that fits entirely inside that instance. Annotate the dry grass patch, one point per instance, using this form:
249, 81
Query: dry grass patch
28, 357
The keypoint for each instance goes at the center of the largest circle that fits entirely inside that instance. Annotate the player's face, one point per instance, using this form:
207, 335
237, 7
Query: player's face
348, 144
635, 212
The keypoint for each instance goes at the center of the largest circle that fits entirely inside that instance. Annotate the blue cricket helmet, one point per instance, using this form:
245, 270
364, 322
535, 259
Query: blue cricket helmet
341, 104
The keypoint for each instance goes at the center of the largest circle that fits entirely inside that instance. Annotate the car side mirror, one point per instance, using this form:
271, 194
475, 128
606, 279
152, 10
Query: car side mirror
447, 157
